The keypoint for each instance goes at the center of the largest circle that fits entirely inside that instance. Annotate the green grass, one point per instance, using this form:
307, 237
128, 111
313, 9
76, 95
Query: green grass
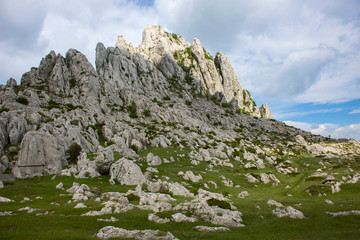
65, 222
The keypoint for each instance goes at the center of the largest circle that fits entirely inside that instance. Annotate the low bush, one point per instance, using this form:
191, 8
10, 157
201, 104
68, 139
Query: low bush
219, 203
73, 152
22, 100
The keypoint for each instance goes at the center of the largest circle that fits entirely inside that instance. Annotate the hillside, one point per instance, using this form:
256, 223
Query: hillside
163, 134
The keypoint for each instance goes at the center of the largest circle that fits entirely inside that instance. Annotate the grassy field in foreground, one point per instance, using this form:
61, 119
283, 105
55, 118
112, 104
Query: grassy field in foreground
65, 222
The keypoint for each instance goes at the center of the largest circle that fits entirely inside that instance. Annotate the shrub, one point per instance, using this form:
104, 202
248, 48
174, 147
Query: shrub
219, 203
187, 102
132, 109
166, 98
4, 109
72, 83
22, 100
73, 152
133, 198
53, 104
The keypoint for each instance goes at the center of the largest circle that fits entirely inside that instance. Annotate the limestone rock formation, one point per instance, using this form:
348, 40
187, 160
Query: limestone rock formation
39, 155
126, 172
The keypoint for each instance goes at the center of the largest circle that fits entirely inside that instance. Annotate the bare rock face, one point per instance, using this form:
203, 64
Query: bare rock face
126, 172
39, 156
265, 112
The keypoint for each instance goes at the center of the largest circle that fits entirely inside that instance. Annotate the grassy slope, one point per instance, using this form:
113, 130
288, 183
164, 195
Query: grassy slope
65, 222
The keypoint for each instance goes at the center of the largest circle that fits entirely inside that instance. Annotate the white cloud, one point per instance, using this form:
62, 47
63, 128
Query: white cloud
299, 50
37, 27
328, 129
355, 111
282, 115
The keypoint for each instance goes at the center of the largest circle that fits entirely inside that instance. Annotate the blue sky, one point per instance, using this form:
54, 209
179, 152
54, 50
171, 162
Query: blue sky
302, 57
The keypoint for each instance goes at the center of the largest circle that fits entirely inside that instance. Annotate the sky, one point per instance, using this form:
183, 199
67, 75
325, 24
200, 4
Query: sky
302, 57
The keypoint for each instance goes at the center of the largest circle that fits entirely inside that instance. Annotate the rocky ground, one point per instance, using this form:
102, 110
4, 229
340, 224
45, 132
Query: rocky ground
165, 135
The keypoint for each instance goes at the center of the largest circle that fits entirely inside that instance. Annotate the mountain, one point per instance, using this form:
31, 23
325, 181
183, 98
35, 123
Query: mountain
165, 115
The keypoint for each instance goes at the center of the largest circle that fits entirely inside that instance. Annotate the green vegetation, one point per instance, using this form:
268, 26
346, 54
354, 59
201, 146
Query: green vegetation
73, 152
4, 109
65, 222
72, 83
132, 109
147, 113
22, 100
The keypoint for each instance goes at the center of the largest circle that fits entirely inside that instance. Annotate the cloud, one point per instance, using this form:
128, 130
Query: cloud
32, 28
300, 50
282, 115
328, 129
355, 111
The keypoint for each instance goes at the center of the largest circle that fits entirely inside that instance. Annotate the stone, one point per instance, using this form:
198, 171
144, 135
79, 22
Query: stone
60, 186
86, 168
39, 155
243, 194
4, 199
11, 83
114, 232
153, 160
344, 213
211, 229
179, 217
111, 219
329, 202
274, 203
154, 218
80, 205
335, 188
189, 175
4, 163
1, 184
288, 212
127, 172
250, 178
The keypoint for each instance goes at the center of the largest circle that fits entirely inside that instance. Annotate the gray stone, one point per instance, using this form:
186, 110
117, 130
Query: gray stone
114, 232
39, 155
127, 172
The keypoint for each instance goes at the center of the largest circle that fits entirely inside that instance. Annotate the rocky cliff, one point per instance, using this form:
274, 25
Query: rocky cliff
164, 93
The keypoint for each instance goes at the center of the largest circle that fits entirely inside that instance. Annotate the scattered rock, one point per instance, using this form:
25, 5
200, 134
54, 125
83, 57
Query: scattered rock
127, 172
1, 184
288, 212
274, 203
112, 219
6, 213
189, 175
154, 218
60, 186
243, 194
80, 205
329, 201
211, 229
179, 217
250, 178
113, 232
153, 160
344, 213
3, 199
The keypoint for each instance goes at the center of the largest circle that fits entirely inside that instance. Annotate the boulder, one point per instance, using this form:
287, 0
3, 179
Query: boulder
179, 217
243, 194
39, 155
189, 175
288, 212
127, 172
86, 168
4, 163
153, 160
114, 232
